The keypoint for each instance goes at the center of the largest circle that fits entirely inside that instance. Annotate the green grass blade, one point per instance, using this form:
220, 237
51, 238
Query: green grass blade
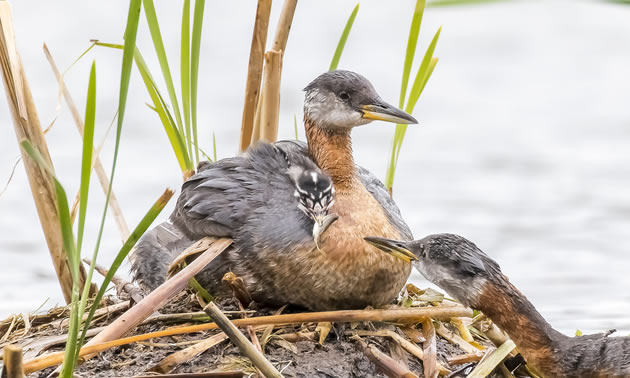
412, 42
86, 169
344, 37
419, 82
185, 74
194, 66
295, 127
86, 160
175, 138
158, 44
214, 146
129, 47
423, 74
70, 247
159, 106
140, 229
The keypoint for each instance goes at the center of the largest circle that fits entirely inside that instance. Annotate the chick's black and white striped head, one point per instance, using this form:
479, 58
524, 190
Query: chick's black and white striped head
315, 194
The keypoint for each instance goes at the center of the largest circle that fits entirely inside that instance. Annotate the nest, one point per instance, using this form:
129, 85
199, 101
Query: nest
413, 347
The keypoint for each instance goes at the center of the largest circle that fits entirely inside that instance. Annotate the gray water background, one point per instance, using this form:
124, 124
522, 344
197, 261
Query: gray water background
523, 144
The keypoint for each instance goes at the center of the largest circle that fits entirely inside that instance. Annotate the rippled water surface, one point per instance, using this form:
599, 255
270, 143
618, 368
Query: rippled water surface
523, 147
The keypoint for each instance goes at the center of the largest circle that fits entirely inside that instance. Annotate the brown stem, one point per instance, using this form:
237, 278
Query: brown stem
409, 315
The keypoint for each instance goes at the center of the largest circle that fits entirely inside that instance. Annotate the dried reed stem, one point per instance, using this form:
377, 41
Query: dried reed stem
27, 126
174, 359
404, 343
492, 360
270, 110
256, 131
123, 229
135, 293
465, 358
254, 71
409, 315
383, 362
158, 297
12, 362
244, 345
429, 349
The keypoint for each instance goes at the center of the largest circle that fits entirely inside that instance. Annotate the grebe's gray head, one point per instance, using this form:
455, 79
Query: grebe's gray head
450, 261
315, 193
344, 99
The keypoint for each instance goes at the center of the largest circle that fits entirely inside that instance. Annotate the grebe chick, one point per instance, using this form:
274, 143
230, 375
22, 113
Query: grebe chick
315, 193
466, 273
250, 198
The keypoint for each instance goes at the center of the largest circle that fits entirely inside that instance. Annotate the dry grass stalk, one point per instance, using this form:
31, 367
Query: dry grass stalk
256, 131
294, 337
109, 310
491, 360
211, 374
429, 349
27, 126
268, 329
410, 347
158, 297
246, 347
135, 293
123, 229
284, 25
172, 360
463, 330
12, 360
254, 71
383, 362
323, 329
270, 110
455, 339
465, 358
409, 315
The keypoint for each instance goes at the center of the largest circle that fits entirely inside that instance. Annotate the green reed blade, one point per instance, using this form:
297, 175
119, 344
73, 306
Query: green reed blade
86, 159
185, 73
86, 169
342, 40
70, 248
159, 106
194, 66
412, 42
140, 229
158, 44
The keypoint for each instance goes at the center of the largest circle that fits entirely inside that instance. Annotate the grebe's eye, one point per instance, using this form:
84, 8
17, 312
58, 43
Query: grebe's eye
344, 96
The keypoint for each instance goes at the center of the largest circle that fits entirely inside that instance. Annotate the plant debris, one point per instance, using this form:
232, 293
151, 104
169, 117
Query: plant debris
356, 349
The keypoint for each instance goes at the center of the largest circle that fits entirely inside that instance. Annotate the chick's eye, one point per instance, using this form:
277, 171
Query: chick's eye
344, 96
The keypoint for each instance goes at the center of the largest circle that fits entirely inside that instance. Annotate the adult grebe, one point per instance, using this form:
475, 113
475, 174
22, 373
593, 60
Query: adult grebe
460, 268
250, 198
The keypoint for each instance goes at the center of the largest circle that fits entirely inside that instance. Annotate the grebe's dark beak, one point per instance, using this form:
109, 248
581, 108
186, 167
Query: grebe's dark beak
393, 247
321, 225
382, 111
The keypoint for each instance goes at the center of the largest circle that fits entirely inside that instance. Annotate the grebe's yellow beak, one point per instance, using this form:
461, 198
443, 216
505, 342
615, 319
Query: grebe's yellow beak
393, 247
382, 111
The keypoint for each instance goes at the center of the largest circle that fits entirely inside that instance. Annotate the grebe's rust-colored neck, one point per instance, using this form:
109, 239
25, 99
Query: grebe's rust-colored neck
516, 315
331, 149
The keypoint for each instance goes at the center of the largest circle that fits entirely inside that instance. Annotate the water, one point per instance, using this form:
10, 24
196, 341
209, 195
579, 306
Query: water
523, 145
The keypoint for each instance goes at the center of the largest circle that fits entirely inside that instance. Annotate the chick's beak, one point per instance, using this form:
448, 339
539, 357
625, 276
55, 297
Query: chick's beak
382, 111
393, 247
321, 225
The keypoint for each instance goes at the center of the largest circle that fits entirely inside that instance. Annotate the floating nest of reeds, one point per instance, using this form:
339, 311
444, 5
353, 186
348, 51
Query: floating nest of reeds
449, 347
